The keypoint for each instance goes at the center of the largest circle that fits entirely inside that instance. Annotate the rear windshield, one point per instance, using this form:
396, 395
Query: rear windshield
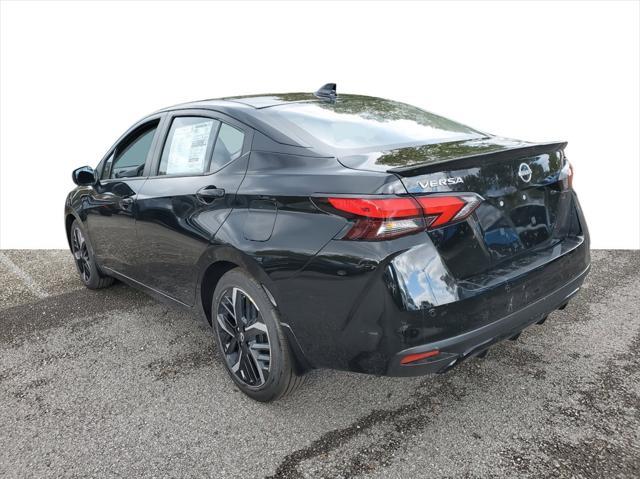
366, 122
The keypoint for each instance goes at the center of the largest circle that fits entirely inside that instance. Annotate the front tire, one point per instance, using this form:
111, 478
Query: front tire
83, 256
252, 345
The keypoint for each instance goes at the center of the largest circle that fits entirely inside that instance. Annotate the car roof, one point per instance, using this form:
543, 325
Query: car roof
256, 102
275, 99
252, 111
249, 110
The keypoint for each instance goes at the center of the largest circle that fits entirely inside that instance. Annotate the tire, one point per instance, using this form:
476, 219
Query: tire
264, 374
85, 261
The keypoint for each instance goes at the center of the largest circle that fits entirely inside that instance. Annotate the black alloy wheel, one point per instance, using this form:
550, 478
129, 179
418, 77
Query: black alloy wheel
90, 273
81, 254
244, 337
252, 344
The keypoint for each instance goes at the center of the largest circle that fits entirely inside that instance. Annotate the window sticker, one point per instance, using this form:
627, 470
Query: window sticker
189, 148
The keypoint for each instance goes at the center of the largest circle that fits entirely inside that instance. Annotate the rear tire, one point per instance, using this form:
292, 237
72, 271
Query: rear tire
252, 345
83, 256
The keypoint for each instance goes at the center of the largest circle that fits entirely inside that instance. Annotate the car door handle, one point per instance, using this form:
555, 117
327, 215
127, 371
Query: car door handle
210, 193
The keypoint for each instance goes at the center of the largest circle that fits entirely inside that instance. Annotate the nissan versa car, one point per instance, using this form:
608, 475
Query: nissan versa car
321, 230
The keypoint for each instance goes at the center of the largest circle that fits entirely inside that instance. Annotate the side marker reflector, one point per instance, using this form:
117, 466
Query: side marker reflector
412, 358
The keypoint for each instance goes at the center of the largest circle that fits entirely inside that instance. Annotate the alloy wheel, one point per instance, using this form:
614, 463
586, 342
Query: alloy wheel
81, 254
244, 337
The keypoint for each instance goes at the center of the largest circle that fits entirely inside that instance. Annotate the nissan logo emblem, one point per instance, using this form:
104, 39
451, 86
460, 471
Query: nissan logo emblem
524, 172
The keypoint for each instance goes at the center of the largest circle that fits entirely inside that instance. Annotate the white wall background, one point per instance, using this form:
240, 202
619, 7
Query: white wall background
75, 75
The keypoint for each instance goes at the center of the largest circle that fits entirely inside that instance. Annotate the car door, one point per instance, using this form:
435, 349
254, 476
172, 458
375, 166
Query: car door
188, 196
111, 207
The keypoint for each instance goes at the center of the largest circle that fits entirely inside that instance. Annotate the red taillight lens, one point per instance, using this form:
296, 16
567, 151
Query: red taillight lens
380, 218
378, 208
566, 176
441, 210
384, 218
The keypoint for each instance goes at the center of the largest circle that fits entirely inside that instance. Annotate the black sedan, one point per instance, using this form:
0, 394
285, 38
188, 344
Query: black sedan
317, 230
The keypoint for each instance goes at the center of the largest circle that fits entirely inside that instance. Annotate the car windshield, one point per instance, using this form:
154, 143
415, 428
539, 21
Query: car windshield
366, 122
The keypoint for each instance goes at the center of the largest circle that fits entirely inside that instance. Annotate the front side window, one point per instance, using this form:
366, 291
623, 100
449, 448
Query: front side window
188, 146
228, 146
131, 155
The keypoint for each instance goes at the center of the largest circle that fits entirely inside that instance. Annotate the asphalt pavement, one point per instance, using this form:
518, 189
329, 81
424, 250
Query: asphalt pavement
111, 383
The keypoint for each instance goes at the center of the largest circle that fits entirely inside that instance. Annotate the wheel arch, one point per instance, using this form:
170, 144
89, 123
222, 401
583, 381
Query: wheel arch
215, 262
69, 217
218, 260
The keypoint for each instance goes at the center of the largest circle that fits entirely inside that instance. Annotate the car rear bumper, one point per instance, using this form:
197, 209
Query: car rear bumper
363, 306
455, 349
372, 331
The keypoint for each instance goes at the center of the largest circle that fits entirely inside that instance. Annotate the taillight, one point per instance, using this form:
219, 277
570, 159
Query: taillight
566, 173
377, 218
442, 210
378, 207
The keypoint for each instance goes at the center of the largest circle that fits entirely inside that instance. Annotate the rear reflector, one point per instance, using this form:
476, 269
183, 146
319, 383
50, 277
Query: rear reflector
412, 358
377, 218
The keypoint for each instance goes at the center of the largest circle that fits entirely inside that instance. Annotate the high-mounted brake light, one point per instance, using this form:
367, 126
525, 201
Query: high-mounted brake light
379, 218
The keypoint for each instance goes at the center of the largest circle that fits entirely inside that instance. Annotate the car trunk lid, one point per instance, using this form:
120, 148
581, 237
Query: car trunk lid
524, 186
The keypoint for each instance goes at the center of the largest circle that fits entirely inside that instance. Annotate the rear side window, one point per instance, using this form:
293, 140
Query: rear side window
228, 146
188, 146
131, 155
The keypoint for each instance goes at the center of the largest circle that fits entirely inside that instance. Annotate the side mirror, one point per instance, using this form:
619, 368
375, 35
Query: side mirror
84, 176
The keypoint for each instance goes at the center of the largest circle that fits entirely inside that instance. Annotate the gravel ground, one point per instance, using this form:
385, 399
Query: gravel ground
111, 383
